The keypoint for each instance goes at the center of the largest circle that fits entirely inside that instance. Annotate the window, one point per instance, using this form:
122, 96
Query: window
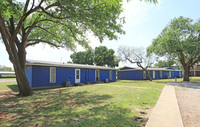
77, 73
97, 75
52, 74
116, 75
180, 74
160, 74
77, 76
170, 74
144, 74
154, 74
110, 74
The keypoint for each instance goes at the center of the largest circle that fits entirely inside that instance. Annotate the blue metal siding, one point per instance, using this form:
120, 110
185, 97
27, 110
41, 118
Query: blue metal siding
113, 75
104, 74
29, 74
130, 75
41, 76
138, 75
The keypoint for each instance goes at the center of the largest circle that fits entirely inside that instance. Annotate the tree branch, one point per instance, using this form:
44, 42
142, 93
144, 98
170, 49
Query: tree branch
26, 6
37, 41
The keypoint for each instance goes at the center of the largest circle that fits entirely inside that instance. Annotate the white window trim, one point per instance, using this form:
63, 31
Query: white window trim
79, 73
110, 74
170, 74
154, 74
160, 74
144, 74
50, 75
98, 75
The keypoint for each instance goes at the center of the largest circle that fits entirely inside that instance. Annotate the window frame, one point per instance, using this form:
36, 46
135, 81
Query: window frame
144, 75
110, 74
97, 76
170, 74
52, 75
78, 73
160, 74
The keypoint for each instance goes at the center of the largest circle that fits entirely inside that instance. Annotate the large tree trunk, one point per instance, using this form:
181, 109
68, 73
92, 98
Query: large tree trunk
24, 86
145, 69
149, 76
22, 81
186, 73
17, 56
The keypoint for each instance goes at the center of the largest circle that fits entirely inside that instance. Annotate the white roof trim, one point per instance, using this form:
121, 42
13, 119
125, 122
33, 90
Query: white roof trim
150, 69
57, 64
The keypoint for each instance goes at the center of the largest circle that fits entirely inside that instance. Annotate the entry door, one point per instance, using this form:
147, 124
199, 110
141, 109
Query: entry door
77, 76
154, 74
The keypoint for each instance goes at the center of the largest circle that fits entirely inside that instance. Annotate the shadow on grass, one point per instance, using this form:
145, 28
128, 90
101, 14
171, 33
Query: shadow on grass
13, 87
63, 107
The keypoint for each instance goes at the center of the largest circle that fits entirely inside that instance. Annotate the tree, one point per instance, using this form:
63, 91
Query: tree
136, 55
4, 68
57, 23
84, 57
164, 63
101, 57
180, 40
104, 56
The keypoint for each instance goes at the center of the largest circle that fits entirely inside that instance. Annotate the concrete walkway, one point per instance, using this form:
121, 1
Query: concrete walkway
166, 111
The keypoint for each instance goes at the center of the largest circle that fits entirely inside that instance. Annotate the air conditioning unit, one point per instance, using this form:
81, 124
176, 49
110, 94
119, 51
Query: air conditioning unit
106, 80
67, 84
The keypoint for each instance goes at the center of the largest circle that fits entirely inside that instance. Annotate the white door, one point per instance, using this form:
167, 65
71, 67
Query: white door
154, 74
77, 76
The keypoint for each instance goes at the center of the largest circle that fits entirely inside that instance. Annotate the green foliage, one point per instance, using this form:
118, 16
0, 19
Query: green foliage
109, 105
101, 57
4, 68
104, 56
180, 39
84, 57
65, 23
164, 63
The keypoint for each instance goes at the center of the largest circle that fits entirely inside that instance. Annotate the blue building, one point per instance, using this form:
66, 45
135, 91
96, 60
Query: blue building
44, 74
130, 73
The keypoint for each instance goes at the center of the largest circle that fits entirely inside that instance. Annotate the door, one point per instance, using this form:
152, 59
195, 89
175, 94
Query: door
77, 76
97, 75
154, 74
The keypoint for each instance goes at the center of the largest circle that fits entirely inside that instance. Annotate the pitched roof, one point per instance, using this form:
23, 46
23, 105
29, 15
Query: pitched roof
59, 64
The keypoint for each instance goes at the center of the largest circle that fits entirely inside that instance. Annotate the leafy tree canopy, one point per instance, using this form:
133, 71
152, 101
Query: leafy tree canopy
101, 56
104, 56
83, 57
180, 40
164, 63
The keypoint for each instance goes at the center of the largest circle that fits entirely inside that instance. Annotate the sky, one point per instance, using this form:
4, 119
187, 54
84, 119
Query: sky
144, 22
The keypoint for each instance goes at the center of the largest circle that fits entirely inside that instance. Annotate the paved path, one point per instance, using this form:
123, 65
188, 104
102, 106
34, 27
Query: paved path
185, 84
166, 111
8, 80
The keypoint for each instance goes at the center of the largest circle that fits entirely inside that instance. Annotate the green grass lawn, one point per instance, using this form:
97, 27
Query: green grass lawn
8, 86
121, 103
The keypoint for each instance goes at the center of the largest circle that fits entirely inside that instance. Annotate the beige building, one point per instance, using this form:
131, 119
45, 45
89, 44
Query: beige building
195, 70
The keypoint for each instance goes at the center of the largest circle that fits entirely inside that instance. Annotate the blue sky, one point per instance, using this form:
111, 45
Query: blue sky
144, 21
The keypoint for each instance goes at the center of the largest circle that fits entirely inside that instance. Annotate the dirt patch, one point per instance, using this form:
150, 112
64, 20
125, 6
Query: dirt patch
5, 94
189, 101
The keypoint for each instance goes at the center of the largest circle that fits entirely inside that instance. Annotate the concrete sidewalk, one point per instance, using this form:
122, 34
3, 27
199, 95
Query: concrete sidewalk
166, 111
